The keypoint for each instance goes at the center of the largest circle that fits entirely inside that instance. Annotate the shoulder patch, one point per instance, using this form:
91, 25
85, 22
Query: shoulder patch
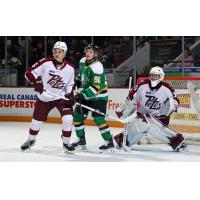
97, 68
82, 60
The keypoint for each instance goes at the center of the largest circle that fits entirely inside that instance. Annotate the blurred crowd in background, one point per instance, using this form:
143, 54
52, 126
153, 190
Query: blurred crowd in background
20, 52
112, 50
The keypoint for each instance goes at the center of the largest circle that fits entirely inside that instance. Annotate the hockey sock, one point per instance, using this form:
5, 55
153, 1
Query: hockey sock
103, 128
80, 129
79, 124
34, 130
67, 121
66, 139
32, 134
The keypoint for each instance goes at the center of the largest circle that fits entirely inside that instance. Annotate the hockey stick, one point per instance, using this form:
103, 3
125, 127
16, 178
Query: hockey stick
194, 97
126, 120
125, 133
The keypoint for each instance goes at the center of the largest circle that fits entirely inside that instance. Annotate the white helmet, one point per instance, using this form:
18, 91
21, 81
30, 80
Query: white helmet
156, 71
60, 45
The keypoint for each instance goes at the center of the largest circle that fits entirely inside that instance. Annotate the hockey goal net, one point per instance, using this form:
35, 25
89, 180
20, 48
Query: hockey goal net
187, 119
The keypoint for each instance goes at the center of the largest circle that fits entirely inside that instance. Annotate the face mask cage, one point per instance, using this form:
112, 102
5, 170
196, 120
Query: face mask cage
154, 77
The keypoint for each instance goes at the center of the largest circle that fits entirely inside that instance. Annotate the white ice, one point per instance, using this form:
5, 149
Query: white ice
48, 147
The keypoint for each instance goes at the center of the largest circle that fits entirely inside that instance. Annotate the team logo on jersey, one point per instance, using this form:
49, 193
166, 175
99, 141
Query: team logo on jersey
56, 81
96, 79
152, 103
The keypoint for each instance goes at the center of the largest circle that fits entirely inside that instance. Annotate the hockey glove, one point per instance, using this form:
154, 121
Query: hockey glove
79, 98
39, 86
71, 101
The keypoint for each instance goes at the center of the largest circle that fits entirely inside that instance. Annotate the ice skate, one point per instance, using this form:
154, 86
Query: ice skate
108, 146
118, 140
27, 145
182, 148
68, 148
80, 143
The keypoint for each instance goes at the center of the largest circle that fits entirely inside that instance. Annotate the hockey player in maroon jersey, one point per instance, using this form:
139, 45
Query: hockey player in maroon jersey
54, 75
154, 101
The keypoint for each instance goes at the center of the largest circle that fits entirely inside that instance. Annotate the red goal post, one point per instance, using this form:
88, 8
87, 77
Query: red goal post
187, 119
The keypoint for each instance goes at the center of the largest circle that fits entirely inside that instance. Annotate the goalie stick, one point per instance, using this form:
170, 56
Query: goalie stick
125, 133
125, 120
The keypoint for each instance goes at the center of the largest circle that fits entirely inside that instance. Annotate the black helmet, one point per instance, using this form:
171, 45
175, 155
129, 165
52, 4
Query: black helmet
93, 47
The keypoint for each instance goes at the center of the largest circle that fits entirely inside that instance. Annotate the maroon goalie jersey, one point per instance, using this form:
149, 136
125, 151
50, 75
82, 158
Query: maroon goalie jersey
59, 81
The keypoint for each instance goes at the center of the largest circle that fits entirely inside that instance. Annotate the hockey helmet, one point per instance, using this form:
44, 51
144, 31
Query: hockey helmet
93, 47
60, 45
156, 75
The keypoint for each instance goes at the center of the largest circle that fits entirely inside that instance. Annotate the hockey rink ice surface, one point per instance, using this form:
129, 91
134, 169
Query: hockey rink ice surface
48, 147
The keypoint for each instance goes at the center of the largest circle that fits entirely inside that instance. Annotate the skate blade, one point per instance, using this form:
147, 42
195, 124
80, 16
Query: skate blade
81, 148
111, 150
26, 150
126, 149
69, 152
182, 150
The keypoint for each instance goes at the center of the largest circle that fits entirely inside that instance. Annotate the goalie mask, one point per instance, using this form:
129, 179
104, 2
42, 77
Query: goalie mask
156, 75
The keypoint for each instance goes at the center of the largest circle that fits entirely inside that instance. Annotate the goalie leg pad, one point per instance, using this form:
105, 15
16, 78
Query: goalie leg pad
164, 134
136, 130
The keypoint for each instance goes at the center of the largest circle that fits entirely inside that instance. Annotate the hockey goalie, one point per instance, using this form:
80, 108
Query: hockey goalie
154, 101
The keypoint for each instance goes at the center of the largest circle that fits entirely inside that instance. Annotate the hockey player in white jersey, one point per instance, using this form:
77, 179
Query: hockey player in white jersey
54, 75
154, 101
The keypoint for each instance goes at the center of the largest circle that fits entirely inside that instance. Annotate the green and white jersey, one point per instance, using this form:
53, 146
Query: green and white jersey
93, 80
